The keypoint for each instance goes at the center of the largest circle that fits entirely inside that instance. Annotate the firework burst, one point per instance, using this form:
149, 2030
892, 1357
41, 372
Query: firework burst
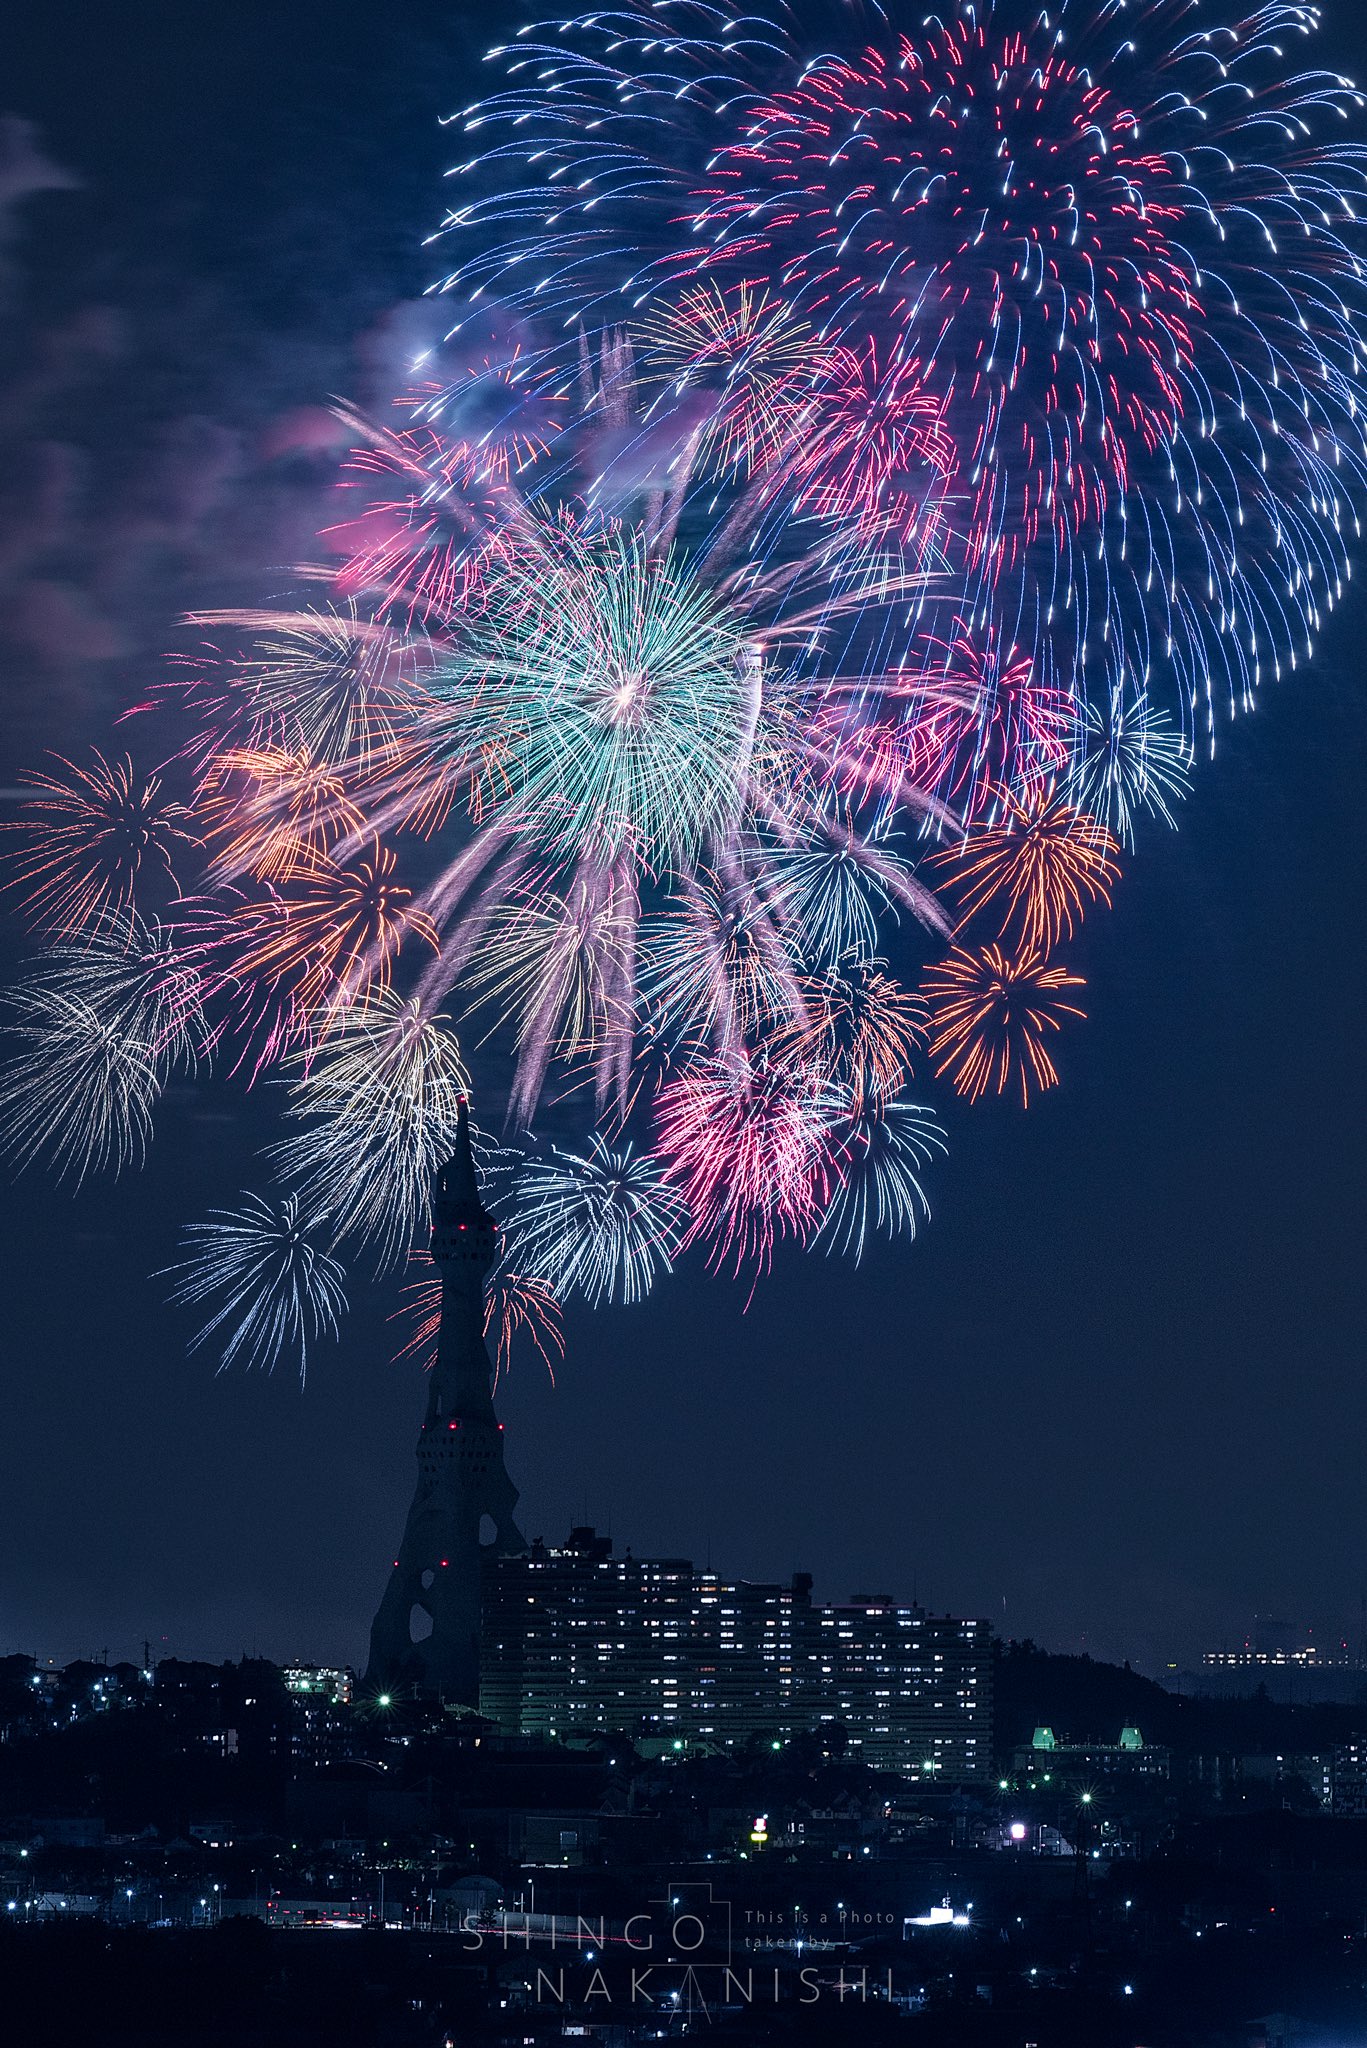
379, 1103
1126, 259
272, 1286
1043, 865
602, 1225
859, 1033
874, 1162
101, 1027
990, 1016
1131, 762
94, 839
743, 1141
750, 356
515, 1308
322, 684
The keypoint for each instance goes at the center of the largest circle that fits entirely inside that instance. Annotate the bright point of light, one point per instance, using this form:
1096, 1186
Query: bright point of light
1018, 1830
383, 1700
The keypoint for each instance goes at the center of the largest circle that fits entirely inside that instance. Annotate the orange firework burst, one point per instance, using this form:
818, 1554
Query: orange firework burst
989, 1015
271, 812
513, 1307
329, 935
88, 838
1046, 861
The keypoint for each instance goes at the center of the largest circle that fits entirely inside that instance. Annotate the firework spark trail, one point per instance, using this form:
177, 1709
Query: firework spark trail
514, 1307
876, 450
274, 1286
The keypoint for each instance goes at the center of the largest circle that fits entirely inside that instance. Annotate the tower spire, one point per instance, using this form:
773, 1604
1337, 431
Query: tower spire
426, 1631
460, 1167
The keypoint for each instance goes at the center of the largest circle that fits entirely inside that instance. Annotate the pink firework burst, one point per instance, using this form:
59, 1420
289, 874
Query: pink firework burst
878, 449
433, 524
742, 1140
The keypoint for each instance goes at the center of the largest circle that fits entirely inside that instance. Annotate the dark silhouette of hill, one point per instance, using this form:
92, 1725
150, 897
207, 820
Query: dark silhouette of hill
1086, 1701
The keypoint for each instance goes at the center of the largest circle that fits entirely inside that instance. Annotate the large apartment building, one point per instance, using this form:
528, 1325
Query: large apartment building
577, 1640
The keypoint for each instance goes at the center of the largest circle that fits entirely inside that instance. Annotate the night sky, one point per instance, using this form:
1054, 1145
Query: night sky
1113, 1399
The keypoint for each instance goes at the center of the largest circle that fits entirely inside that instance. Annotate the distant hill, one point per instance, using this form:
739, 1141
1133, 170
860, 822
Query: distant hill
1085, 1701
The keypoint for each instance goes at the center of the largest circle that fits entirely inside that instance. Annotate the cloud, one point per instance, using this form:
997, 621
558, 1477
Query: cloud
24, 172
165, 442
